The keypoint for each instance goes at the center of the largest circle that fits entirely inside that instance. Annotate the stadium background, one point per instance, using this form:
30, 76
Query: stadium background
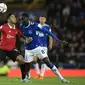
67, 21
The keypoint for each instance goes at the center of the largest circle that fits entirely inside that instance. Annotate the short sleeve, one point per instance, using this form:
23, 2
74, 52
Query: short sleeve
49, 29
1, 27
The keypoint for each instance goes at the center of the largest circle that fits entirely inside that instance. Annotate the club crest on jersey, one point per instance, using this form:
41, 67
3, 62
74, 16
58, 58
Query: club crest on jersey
30, 31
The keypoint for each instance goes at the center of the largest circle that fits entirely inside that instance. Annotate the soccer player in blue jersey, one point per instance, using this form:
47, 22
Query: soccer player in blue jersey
34, 48
46, 41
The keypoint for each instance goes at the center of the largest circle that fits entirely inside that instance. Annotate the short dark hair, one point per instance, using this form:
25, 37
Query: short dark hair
42, 16
25, 15
9, 14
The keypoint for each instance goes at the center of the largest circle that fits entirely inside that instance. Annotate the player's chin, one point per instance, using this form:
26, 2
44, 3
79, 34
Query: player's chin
14, 22
25, 23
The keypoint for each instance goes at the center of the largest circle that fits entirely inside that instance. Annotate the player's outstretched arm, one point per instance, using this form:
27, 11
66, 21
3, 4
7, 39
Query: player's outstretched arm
49, 33
52, 35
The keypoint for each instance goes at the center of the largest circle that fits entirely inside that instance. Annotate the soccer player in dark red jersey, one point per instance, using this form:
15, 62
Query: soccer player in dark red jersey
9, 31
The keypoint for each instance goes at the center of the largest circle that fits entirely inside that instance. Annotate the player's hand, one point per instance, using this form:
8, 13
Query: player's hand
28, 40
64, 42
50, 47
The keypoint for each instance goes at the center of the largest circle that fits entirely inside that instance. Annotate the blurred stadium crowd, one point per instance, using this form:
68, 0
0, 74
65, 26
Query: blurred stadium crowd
67, 20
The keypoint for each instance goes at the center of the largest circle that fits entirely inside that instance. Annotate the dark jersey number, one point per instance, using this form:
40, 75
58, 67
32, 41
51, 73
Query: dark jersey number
43, 52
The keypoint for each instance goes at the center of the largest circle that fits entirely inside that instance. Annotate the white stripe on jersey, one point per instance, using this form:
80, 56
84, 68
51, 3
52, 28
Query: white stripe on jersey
40, 26
30, 23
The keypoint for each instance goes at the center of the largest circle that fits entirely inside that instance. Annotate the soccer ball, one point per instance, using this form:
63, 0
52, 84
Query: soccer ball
3, 7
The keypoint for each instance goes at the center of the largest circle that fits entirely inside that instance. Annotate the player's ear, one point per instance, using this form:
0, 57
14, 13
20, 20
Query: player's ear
45, 19
8, 20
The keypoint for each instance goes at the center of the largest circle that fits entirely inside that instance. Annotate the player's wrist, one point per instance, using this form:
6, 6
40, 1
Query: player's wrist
28, 40
63, 41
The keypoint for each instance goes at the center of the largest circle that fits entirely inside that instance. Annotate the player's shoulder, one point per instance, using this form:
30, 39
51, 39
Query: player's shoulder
20, 25
5, 25
47, 25
2, 26
32, 23
17, 27
39, 25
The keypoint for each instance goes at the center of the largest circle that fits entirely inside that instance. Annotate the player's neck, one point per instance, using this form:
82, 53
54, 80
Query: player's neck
11, 25
42, 23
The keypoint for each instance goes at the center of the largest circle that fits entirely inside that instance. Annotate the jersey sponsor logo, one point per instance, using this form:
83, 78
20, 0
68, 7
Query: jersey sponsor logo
10, 36
40, 34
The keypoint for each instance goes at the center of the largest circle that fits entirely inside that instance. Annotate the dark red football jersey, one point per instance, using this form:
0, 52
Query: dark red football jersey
8, 37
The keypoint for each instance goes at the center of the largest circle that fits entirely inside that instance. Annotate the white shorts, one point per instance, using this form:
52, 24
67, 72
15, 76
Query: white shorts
40, 52
45, 49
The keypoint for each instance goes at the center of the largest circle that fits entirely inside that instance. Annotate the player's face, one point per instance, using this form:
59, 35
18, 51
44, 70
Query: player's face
25, 20
42, 20
12, 19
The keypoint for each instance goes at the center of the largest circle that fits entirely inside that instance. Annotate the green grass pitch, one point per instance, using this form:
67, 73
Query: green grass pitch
46, 81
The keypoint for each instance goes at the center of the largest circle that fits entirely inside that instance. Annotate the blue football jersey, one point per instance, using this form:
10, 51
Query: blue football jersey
30, 31
44, 38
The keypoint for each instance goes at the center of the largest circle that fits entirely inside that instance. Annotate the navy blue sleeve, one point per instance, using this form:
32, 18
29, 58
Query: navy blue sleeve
49, 33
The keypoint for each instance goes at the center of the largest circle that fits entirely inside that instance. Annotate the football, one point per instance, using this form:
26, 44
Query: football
3, 7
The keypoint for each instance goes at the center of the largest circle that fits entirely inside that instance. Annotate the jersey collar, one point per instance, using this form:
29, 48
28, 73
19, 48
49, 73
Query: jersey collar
28, 24
41, 24
11, 26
